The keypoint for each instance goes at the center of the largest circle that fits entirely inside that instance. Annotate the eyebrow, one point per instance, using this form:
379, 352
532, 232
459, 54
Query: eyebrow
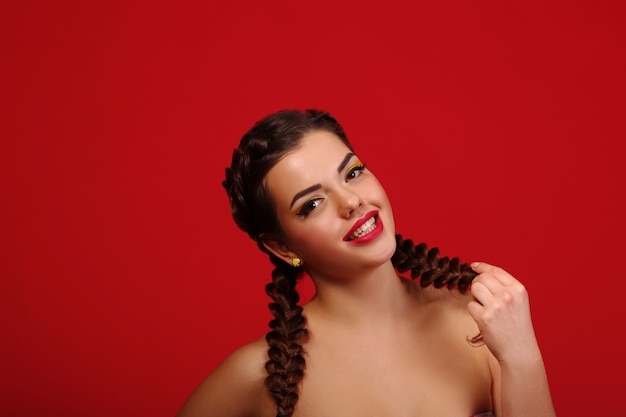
312, 188
304, 192
345, 161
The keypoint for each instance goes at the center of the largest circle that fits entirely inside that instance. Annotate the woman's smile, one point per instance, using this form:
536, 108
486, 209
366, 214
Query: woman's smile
366, 229
326, 197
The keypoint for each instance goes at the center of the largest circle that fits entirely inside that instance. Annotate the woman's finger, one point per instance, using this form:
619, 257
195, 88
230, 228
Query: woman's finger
500, 274
481, 291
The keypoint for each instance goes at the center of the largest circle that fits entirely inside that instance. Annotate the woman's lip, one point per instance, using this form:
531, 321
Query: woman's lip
360, 222
378, 229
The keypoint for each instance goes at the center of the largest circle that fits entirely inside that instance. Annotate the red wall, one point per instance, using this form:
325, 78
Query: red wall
497, 127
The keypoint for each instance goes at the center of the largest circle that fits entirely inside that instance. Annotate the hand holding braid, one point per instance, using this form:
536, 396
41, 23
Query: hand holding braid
431, 268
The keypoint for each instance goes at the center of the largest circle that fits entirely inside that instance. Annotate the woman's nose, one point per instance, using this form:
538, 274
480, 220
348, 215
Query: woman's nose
349, 203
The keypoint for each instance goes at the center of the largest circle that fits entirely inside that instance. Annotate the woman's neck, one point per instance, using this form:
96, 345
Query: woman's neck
370, 297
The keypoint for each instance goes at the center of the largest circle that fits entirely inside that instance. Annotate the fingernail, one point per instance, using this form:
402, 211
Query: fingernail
474, 264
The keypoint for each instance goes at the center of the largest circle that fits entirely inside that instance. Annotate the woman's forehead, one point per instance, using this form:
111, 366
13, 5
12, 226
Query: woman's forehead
319, 155
318, 150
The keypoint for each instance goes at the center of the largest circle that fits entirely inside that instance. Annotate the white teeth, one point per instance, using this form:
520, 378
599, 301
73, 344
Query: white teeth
365, 228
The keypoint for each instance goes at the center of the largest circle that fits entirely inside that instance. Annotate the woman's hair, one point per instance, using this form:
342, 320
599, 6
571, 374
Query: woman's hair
253, 209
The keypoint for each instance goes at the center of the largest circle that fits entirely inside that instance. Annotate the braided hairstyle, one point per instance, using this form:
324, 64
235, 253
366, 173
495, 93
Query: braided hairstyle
253, 210
252, 207
427, 265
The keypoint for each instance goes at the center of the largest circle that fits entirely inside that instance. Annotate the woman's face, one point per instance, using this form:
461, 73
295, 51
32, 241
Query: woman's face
335, 214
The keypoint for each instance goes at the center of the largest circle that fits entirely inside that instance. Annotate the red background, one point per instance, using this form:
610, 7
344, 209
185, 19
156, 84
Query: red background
497, 127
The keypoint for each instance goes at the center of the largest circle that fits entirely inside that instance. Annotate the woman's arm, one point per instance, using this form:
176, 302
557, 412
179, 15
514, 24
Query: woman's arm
502, 312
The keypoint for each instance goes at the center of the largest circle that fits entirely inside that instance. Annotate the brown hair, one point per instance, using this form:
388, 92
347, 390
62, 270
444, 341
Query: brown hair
266, 143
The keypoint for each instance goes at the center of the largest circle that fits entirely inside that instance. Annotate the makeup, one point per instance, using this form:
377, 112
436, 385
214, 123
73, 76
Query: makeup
366, 229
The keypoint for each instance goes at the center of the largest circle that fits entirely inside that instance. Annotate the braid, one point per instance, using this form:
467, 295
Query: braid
286, 363
254, 211
430, 267
433, 269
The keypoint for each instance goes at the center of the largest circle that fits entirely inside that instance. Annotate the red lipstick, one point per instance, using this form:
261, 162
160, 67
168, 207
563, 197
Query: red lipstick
378, 228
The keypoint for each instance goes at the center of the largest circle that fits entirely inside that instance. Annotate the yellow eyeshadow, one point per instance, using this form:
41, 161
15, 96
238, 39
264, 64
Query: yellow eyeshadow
356, 164
299, 209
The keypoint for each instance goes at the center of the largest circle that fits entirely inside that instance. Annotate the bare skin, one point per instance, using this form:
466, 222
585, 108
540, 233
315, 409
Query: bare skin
394, 366
380, 345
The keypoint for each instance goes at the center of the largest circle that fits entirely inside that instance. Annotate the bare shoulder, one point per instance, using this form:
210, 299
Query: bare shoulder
447, 310
235, 388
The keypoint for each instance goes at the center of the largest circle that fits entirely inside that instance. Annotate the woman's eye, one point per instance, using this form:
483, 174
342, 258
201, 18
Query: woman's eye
355, 171
309, 206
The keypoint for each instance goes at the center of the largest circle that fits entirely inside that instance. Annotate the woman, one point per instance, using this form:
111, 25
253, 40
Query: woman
370, 342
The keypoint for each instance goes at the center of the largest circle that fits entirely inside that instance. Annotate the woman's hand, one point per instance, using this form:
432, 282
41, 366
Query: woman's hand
501, 309
502, 312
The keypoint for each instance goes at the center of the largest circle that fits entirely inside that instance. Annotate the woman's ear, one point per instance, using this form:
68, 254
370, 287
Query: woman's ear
278, 247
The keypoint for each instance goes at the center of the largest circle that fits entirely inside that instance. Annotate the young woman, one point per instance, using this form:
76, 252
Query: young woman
370, 342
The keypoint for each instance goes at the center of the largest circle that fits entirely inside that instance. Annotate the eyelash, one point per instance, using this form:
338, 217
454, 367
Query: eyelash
359, 167
307, 207
313, 203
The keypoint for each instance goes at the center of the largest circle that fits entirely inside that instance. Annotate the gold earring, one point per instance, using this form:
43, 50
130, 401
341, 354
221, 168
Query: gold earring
296, 262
